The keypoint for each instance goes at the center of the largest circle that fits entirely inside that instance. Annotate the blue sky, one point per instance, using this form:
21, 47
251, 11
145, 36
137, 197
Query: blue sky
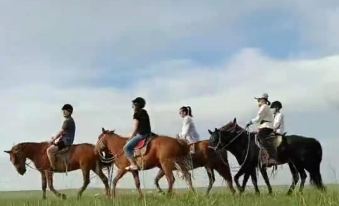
213, 56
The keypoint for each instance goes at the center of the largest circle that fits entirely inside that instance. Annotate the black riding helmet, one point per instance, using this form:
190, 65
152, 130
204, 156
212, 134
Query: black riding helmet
140, 102
67, 107
276, 105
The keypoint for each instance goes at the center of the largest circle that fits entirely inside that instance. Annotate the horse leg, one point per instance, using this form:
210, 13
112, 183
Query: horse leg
104, 179
156, 180
236, 178
119, 175
295, 176
167, 167
43, 184
51, 187
226, 174
85, 175
255, 181
137, 182
263, 172
303, 177
211, 179
244, 182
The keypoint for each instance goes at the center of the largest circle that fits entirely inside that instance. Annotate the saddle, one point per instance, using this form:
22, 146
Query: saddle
275, 140
62, 158
142, 147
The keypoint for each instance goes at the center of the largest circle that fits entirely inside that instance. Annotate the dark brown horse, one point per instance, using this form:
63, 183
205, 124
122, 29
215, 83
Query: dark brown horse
82, 156
211, 160
164, 152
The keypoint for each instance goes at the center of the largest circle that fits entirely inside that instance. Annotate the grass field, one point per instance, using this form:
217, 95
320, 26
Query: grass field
94, 197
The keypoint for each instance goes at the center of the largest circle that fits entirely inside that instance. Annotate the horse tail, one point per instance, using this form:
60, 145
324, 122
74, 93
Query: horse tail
315, 175
315, 178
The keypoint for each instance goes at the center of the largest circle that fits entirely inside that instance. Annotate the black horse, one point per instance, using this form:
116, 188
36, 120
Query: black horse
299, 152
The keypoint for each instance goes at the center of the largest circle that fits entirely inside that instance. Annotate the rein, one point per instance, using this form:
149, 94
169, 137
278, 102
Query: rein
108, 160
230, 142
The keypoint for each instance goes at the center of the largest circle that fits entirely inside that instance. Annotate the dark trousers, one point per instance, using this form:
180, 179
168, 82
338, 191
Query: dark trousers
267, 141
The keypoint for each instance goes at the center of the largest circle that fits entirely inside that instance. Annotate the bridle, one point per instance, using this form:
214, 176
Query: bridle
229, 143
105, 159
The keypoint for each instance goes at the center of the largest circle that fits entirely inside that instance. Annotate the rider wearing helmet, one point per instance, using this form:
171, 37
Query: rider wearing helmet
65, 137
141, 130
265, 119
278, 123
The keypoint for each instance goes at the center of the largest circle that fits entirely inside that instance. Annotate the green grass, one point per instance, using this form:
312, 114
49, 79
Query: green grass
179, 198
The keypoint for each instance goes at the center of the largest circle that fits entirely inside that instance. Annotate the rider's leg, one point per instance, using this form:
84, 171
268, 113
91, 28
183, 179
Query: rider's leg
51, 152
268, 143
129, 150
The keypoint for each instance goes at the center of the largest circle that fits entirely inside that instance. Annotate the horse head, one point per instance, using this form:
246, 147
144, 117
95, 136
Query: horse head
221, 137
101, 143
18, 159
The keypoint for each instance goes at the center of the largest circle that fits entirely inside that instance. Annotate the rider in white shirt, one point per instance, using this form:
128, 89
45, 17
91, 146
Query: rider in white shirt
278, 123
265, 119
188, 131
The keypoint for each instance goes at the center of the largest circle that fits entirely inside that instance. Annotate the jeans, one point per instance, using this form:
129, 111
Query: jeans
132, 143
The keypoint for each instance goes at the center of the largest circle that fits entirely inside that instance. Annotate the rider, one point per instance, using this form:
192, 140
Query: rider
141, 130
65, 137
265, 120
188, 130
278, 123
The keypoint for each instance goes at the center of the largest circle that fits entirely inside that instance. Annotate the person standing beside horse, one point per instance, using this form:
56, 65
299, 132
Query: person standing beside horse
265, 120
141, 130
188, 131
64, 138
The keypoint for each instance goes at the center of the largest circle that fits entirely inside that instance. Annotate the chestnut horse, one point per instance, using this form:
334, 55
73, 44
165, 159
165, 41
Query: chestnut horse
81, 156
211, 160
164, 152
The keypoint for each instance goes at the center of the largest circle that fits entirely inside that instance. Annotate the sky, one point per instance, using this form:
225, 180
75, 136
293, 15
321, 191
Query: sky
214, 56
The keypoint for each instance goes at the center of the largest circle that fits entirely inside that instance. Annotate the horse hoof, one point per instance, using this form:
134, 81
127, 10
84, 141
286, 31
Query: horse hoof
63, 196
289, 193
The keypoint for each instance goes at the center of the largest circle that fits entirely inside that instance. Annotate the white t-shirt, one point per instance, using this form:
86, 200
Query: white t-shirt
264, 117
279, 124
188, 130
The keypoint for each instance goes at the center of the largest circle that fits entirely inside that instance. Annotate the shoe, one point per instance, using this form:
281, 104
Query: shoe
132, 168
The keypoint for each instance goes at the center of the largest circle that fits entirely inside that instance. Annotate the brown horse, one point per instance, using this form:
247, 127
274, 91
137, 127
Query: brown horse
164, 152
81, 156
211, 160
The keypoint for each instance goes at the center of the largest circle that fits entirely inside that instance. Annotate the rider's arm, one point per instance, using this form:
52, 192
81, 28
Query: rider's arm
185, 127
258, 118
59, 134
135, 127
277, 121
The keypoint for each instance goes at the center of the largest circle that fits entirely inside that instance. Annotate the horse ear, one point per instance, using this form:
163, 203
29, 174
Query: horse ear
209, 131
215, 129
8, 151
234, 120
103, 130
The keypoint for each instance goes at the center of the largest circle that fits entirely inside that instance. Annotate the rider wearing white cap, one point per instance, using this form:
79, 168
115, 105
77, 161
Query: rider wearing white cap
265, 119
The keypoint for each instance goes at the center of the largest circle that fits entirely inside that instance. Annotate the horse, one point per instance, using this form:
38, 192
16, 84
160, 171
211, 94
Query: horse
300, 153
163, 152
211, 160
81, 156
